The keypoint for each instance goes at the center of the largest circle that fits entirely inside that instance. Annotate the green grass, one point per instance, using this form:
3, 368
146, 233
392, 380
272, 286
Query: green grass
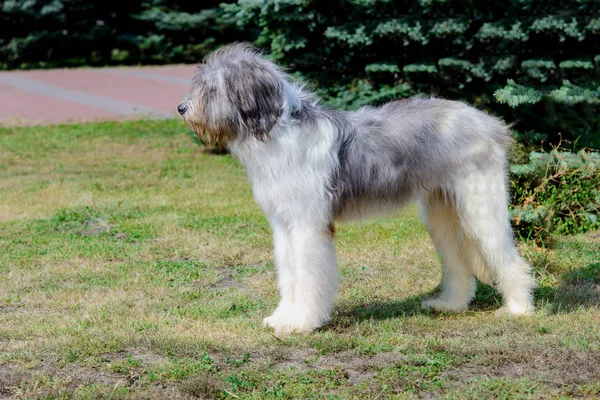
135, 264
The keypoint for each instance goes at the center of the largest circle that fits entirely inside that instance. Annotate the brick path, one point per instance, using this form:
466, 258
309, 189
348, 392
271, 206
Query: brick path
89, 94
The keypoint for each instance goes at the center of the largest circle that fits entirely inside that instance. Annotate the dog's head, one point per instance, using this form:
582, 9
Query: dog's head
236, 92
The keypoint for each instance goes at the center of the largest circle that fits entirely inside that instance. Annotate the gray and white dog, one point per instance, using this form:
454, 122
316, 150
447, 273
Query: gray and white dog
310, 165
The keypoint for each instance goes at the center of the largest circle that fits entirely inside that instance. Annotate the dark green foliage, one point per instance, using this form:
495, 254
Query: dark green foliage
556, 192
365, 51
43, 33
531, 61
181, 31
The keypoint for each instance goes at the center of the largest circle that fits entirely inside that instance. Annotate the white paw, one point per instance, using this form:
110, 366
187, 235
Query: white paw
438, 304
286, 321
512, 308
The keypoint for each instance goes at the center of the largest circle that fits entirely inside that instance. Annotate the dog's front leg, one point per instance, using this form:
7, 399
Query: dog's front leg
286, 272
307, 277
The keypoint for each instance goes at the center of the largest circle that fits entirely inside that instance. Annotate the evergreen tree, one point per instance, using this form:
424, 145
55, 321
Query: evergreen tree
42, 33
535, 61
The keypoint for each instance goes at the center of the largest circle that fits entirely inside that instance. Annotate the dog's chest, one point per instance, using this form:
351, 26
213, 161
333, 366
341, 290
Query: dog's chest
289, 188
289, 182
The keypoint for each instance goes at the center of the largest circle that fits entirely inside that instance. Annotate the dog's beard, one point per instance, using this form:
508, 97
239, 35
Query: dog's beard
210, 137
202, 134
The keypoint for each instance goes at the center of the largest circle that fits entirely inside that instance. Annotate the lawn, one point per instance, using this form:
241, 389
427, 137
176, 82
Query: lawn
135, 264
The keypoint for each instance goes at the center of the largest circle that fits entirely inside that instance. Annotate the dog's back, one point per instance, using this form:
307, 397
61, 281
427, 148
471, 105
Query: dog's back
387, 154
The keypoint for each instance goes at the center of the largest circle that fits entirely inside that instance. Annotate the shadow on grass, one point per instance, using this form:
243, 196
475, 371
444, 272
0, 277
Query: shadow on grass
407, 307
577, 289
486, 298
348, 315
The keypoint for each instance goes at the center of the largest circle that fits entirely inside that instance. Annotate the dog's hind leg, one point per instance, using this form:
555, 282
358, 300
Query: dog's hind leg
475, 260
458, 283
482, 207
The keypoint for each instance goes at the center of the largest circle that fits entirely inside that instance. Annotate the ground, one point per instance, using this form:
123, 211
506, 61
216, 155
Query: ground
89, 94
135, 264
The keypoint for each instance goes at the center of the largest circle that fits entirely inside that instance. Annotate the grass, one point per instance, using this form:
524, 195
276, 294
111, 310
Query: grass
135, 264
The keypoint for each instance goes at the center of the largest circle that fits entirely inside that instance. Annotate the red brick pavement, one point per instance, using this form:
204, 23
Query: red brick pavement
90, 94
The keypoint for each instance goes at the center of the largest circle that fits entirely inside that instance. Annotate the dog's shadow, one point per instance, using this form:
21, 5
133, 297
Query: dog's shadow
576, 289
380, 310
486, 298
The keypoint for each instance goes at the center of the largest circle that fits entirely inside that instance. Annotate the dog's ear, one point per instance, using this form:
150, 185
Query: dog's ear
256, 91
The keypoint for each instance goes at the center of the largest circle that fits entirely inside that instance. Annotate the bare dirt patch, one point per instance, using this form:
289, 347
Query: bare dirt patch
49, 376
11, 308
203, 386
145, 356
10, 379
97, 226
357, 367
226, 280
16, 380
556, 367
226, 277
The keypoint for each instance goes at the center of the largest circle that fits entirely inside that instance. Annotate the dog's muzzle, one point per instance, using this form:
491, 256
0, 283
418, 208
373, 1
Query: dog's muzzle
182, 108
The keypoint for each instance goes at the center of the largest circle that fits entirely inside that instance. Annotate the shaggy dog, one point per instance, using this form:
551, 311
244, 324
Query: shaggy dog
310, 165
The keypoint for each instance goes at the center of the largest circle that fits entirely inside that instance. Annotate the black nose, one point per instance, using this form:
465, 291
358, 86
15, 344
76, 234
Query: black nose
182, 108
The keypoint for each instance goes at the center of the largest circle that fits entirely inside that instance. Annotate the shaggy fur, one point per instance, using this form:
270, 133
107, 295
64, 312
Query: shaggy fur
310, 165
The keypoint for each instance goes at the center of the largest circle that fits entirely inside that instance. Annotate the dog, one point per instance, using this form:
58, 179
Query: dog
310, 166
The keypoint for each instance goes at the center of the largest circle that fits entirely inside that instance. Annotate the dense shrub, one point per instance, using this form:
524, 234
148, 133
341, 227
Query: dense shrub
535, 61
531, 61
556, 192
43, 33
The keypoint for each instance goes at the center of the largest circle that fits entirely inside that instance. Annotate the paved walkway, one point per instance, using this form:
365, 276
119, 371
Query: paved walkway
89, 94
